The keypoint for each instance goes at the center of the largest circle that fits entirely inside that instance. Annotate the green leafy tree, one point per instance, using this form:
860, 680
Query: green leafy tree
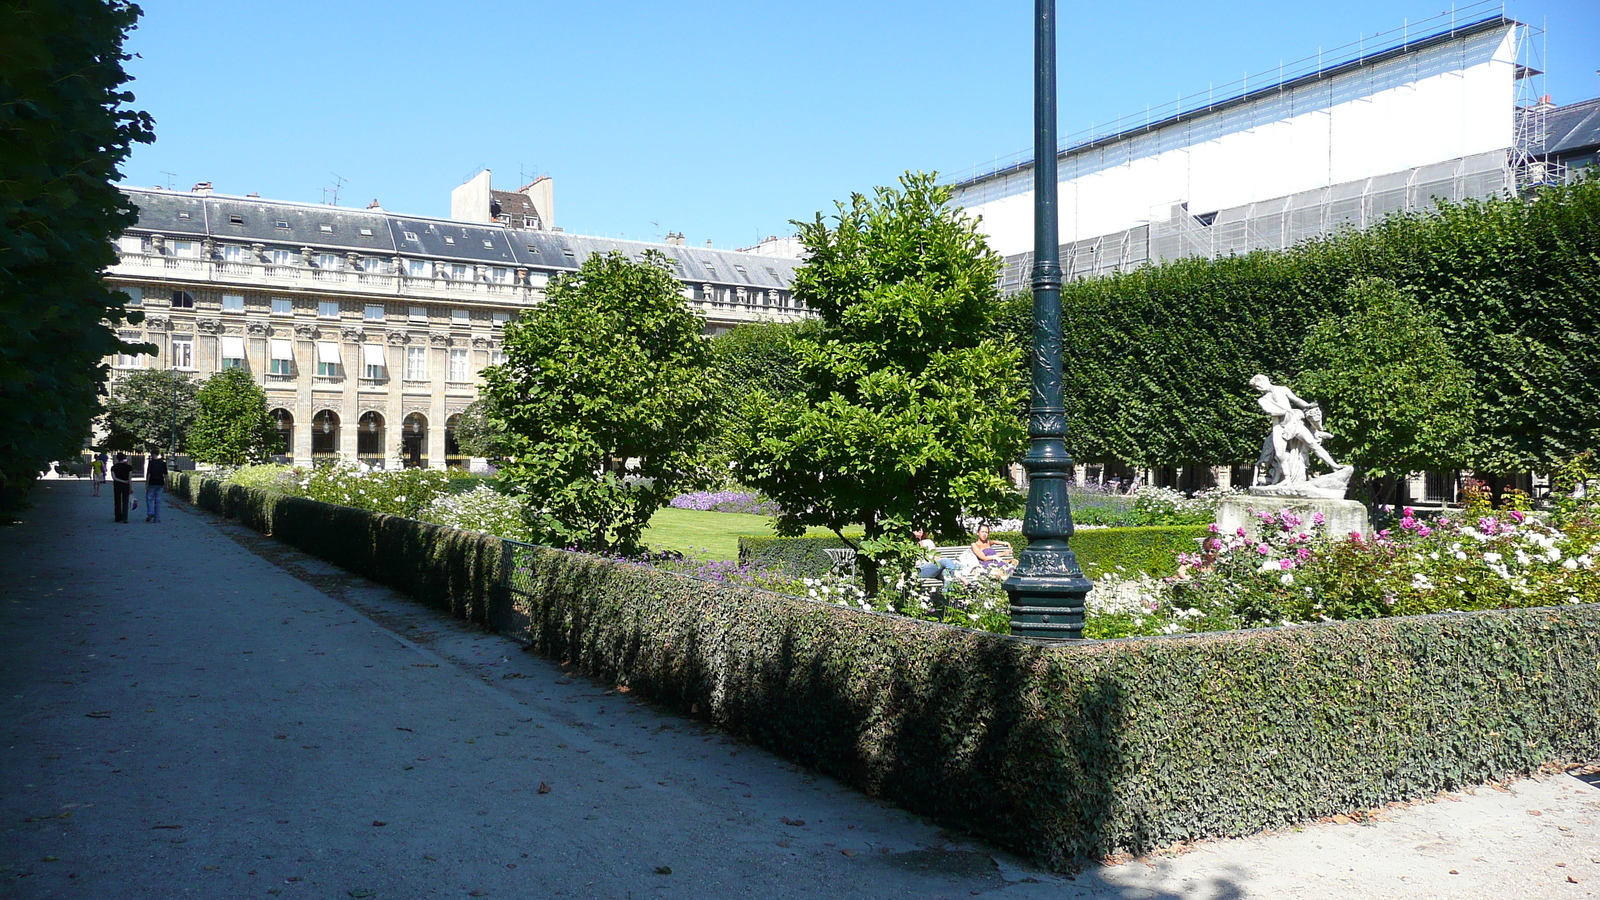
65, 130
478, 435
1396, 395
148, 408
231, 425
907, 404
755, 357
605, 400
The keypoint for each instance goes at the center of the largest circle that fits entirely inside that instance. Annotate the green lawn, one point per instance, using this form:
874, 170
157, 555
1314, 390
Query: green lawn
707, 535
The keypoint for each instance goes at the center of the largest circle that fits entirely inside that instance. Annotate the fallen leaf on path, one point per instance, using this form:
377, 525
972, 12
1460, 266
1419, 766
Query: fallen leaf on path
795, 822
1535, 812
848, 852
361, 892
544, 788
378, 824
99, 714
166, 826
663, 870
1571, 880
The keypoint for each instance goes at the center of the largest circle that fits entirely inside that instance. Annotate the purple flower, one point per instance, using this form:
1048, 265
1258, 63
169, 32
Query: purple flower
1213, 528
1319, 519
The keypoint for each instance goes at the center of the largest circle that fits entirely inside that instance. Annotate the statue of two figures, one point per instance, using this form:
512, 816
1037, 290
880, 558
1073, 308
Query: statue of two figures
1284, 468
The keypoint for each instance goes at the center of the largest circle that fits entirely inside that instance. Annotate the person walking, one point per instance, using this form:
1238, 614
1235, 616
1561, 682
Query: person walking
97, 472
121, 488
155, 480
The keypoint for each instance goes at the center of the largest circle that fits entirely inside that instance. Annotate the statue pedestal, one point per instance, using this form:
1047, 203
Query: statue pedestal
1340, 517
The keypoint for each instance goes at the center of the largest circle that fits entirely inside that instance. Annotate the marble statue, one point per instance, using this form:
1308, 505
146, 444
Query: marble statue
1284, 467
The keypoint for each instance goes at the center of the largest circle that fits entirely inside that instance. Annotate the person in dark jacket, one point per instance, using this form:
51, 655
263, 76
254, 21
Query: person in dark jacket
155, 480
121, 488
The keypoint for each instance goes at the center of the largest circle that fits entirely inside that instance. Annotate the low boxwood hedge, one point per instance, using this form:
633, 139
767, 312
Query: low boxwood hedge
1151, 550
1064, 753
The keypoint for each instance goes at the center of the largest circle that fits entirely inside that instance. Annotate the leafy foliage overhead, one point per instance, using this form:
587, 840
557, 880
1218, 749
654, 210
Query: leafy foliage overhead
65, 130
605, 400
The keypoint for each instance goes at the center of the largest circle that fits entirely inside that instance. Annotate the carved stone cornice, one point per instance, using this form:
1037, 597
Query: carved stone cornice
157, 323
352, 335
209, 326
439, 340
257, 328
482, 343
398, 337
307, 332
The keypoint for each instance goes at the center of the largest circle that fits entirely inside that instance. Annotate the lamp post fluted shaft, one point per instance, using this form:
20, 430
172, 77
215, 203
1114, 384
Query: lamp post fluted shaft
1048, 588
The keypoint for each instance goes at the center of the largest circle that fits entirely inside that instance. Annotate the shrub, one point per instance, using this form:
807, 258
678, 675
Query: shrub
482, 509
402, 492
1063, 753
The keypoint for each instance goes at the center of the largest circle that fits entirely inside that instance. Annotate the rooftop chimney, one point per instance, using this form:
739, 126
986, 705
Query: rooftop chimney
374, 204
708, 243
253, 194
674, 239
201, 187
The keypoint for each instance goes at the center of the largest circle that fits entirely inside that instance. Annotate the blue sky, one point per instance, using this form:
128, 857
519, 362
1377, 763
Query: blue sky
719, 120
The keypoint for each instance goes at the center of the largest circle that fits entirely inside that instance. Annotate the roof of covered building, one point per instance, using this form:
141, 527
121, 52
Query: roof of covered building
1575, 126
374, 232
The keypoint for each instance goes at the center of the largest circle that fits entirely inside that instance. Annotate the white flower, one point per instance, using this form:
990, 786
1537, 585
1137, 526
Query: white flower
1491, 557
1286, 578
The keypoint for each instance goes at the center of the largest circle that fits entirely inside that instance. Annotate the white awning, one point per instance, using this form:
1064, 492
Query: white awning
327, 352
280, 349
232, 347
372, 355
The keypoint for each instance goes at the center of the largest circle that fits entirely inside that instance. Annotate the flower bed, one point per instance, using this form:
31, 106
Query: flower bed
726, 501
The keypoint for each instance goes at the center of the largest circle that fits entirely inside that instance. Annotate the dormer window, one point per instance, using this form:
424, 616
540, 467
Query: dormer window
235, 220
325, 229
281, 224
409, 235
449, 240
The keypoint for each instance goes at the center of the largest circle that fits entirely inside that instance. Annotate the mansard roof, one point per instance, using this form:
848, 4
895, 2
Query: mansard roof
229, 219
1573, 127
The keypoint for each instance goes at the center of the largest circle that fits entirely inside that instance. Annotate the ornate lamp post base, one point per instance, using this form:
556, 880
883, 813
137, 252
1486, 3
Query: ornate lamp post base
1048, 607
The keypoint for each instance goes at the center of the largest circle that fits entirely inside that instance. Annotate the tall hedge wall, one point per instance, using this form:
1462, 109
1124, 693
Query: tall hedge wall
1158, 358
1062, 753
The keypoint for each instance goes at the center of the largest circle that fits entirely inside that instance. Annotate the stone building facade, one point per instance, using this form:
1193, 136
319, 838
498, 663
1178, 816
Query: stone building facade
368, 329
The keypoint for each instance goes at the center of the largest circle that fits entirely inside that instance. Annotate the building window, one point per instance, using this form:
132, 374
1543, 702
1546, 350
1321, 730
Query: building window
235, 220
281, 224
232, 352
130, 244
135, 296
330, 261
328, 309
182, 300
282, 306
373, 312
449, 240
501, 318
130, 360
419, 314
282, 358
410, 235
189, 249
373, 363
458, 365
416, 363
459, 272
182, 353
497, 357
284, 257
366, 232
373, 265
460, 317
234, 253
328, 363
325, 229
418, 268
233, 303
499, 274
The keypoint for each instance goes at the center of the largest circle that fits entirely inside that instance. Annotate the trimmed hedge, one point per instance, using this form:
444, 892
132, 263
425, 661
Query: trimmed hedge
1063, 753
1152, 550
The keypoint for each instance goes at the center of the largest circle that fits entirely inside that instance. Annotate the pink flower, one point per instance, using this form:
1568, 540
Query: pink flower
1263, 549
1407, 512
1356, 536
1319, 519
1424, 531
1517, 514
1213, 528
1213, 544
1304, 552
1240, 531
1285, 563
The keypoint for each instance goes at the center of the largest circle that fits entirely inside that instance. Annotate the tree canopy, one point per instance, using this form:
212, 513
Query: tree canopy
605, 400
231, 424
906, 405
65, 130
149, 408
1385, 373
